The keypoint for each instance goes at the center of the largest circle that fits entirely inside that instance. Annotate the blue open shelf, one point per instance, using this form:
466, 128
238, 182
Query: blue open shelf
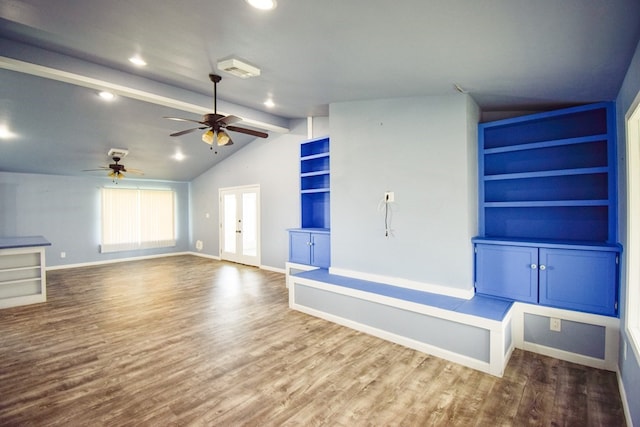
315, 183
550, 175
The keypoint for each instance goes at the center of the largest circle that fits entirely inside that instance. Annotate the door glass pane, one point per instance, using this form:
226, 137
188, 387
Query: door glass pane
249, 224
229, 223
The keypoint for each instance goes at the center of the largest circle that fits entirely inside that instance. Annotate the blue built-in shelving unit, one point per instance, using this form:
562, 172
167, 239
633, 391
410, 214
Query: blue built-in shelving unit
310, 244
550, 176
547, 183
314, 183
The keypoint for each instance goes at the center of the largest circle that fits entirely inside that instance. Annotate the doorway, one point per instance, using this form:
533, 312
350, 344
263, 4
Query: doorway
240, 224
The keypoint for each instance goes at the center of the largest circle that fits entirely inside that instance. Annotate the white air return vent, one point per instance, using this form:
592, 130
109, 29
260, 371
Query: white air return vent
118, 152
238, 68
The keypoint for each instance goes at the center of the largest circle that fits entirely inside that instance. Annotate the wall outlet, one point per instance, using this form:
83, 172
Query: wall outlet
63, 254
555, 324
389, 196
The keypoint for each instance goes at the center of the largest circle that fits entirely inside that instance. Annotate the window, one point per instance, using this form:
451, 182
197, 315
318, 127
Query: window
137, 219
633, 231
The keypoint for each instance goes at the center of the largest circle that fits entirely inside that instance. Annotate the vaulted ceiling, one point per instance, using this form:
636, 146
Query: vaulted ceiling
56, 54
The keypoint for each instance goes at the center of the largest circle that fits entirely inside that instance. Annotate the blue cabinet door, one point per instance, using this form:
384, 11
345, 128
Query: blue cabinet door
579, 280
299, 247
320, 250
310, 248
507, 271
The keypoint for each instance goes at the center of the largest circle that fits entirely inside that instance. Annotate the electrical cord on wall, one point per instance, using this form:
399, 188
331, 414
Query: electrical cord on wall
388, 214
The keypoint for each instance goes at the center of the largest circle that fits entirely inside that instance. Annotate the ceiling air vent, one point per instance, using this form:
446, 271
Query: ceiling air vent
118, 152
238, 68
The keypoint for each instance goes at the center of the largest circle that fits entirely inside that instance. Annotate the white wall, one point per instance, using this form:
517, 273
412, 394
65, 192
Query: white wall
424, 150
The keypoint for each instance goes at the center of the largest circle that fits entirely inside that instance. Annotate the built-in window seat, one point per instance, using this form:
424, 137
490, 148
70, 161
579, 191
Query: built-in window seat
480, 332
474, 332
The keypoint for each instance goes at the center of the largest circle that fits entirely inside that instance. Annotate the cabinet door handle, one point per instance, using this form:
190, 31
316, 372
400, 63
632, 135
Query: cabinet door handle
543, 267
533, 266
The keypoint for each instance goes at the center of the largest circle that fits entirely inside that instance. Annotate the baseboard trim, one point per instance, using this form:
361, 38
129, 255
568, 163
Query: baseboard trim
568, 356
140, 258
625, 402
113, 261
274, 269
200, 254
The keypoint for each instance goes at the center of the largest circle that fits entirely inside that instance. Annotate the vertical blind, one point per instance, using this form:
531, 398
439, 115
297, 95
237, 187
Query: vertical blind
137, 219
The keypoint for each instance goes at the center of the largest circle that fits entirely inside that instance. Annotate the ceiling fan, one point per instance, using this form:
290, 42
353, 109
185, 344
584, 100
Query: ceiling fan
116, 170
217, 124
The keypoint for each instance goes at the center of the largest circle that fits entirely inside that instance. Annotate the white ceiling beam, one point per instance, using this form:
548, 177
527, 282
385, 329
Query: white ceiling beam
64, 70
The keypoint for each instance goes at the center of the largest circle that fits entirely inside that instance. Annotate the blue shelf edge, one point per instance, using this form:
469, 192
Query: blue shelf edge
550, 173
560, 244
546, 144
314, 173
546, 203
23, 242
314, 190
314, 156
311, 230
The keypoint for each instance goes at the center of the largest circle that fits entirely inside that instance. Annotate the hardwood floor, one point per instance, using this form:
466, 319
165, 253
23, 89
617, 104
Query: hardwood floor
189, 341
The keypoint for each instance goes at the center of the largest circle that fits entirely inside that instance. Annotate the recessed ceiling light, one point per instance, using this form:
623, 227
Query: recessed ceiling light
178, 156
138, 61
5, 133
263, 4
269, 103
107, 96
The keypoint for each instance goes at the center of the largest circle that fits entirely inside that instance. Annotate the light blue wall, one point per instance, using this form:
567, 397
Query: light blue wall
629, 368
469, 340
575, 337
66, 211
424, 150
274, 164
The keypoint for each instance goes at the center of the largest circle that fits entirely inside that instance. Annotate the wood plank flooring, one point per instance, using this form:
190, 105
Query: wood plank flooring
187, 341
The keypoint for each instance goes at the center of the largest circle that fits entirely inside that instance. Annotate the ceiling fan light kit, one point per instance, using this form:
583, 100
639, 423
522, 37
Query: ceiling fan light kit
208, 137
223, 138
116, 170
115, 175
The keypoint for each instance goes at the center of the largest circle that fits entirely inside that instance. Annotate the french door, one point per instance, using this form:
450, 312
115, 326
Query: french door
240, 224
